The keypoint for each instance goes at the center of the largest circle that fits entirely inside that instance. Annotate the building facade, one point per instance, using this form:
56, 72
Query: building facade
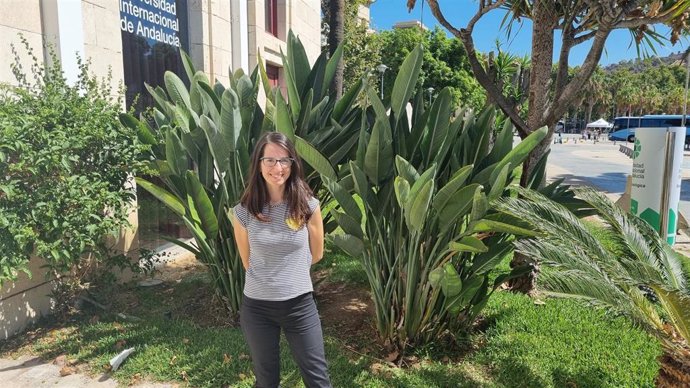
137, 41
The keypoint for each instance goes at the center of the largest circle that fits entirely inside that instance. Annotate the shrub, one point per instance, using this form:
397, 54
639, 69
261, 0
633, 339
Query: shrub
65, 161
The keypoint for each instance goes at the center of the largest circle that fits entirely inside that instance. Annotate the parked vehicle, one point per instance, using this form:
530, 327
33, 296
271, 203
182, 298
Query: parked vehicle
624, 127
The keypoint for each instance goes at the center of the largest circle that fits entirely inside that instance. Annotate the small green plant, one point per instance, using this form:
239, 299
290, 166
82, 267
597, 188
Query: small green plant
65, 162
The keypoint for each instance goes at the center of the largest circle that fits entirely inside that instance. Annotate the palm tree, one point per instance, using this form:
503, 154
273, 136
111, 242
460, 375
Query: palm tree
633, 272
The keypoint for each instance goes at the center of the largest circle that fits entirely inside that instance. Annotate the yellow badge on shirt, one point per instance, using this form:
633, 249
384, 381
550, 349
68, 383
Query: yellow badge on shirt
293, 224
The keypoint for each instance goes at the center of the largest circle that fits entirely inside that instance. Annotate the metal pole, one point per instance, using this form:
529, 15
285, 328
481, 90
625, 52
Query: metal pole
666, 182
382, 85
687, 79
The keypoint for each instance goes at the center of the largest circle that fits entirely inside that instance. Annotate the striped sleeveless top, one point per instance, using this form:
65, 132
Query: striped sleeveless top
279, 254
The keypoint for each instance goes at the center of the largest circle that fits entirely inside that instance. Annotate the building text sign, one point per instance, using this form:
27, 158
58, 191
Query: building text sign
151, 19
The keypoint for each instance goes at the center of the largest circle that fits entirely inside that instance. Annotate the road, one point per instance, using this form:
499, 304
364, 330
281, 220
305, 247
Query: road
602, 165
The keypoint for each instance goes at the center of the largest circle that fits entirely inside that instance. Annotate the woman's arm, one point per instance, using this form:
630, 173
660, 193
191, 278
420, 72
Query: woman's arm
242, 241
315, 228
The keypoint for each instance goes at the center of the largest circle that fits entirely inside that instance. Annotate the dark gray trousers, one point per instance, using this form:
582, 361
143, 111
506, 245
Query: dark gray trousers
261, 322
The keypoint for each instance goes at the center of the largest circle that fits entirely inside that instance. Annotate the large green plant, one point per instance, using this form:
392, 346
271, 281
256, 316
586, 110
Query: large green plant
425, 231
203, 136
64, 164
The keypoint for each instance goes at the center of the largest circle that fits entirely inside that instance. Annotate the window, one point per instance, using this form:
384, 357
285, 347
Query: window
273, 73
272, 17
150, 47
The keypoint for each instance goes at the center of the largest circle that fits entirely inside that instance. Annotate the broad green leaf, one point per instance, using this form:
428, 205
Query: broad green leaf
457, 207
499, 227
499, 184
212, 104
418, 206
144, 133
299, 62
469, 290
468, 244
436, 276
294, 100
217, 144
169, 200
406, 170
230, 118
188, 64
439, 121
518, 154
378, 160
480, 205
175, 154
402, 191
345, 104
349, 224
264, 79
405, 82
350, 244
453, 185
283, 120
362, 187
488, 261
451, 285
345, 200
330, 69
177, 90
202, 204
314, 158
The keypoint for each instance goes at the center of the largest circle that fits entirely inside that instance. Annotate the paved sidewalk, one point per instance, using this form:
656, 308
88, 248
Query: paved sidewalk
29, 372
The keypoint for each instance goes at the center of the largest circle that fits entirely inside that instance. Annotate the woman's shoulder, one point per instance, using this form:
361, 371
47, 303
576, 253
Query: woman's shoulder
313, 202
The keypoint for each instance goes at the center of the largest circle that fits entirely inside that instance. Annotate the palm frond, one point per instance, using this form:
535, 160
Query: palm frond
550, 217
677, 305
654, 260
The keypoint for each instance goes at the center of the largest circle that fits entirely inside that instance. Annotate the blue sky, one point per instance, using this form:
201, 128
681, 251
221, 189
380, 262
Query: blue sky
385, 13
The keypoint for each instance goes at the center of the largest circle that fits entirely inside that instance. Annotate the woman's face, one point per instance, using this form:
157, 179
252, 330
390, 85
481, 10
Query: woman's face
275, 176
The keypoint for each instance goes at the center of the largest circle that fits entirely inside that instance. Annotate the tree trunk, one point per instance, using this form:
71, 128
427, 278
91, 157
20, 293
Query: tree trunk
526, 284
674, 368
542, 60
589, 113
544, 21
335, 39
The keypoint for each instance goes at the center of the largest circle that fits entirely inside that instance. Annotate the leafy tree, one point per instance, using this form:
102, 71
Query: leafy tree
576, 22
445, 63
361, 48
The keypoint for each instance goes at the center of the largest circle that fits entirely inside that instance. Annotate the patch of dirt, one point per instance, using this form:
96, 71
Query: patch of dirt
346, 312
183, 265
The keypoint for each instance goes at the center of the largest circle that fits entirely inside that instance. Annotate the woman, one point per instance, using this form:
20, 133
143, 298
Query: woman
279, 235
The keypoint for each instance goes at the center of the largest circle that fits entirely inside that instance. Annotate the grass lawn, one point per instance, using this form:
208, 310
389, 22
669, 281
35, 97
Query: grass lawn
561, 343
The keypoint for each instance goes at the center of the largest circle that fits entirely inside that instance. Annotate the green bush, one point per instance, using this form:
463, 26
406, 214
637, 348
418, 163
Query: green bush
64, 163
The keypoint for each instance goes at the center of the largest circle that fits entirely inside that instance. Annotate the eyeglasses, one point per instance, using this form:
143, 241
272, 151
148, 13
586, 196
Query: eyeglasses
284, 162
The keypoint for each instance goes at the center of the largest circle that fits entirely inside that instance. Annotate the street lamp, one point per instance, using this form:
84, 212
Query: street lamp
382, 69
430, 90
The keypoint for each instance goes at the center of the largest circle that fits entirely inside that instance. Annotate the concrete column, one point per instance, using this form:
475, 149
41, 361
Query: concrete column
63, 28
240, 32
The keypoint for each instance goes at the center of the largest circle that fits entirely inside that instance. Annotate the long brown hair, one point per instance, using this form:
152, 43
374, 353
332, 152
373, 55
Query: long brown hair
297, 192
